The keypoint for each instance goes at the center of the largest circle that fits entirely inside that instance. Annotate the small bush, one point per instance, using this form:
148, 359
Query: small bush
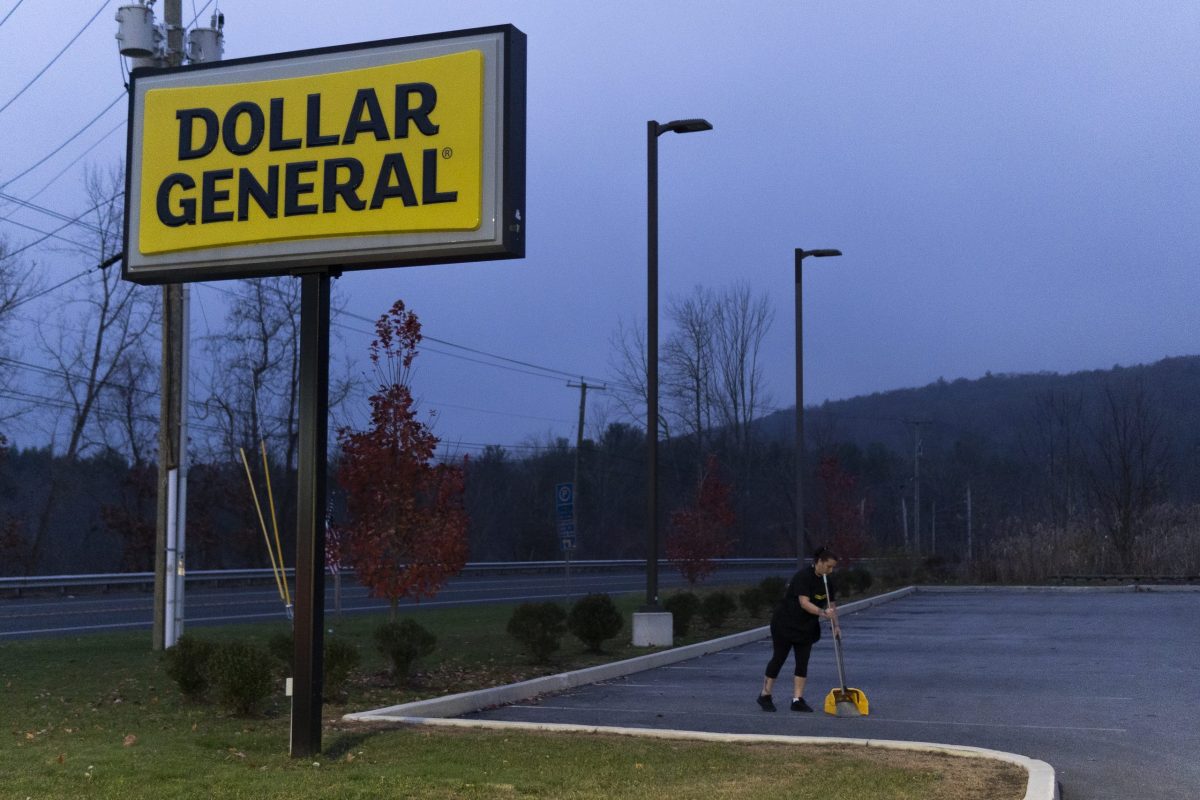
773, 589
341, 658
242, 676
404, 643
539, 627
753, 600
593, 619
683, 608
715, 608
187, 663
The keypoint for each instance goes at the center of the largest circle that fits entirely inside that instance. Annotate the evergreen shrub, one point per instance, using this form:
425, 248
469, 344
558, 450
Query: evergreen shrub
241, 674
186, 663
404, 643
593, 619
539, 627
716, 607
683, 607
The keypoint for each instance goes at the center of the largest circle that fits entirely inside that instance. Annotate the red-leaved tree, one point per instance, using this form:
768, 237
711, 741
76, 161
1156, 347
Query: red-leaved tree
847, 528
407, 527
701, 533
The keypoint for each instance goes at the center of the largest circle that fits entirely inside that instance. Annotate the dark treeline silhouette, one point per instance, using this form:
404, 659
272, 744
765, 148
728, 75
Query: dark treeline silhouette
1032, 474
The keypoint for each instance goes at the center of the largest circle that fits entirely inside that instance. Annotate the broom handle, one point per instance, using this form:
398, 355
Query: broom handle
837, 639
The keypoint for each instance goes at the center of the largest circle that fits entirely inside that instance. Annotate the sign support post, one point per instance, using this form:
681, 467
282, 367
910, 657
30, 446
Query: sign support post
309, 624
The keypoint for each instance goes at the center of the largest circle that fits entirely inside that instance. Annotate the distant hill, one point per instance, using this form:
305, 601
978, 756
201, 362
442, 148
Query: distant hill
997, 408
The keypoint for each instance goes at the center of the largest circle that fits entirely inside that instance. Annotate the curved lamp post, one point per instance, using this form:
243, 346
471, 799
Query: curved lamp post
801, 549
653, 131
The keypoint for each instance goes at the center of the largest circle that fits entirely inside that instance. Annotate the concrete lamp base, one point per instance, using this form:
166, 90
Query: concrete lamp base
653, 629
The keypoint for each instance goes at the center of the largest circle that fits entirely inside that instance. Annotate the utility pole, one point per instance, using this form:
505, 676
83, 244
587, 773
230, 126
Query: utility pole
933, 528
172, 469
582, 386
917, 423
141, 40
970, 542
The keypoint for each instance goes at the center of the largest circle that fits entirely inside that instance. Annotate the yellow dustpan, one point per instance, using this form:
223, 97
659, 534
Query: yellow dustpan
843, 702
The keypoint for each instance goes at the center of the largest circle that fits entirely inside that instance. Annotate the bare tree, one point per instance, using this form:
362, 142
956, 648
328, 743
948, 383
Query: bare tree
1053, 438
254, 368
17, 286
94, 332
742, 321
628, 361
1130, 459
710, 372
688, 364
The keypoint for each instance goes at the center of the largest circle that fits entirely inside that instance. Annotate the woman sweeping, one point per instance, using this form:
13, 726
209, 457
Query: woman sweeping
796, 626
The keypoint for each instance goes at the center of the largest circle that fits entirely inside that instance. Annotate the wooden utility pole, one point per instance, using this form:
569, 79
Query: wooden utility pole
583, 387
172, 443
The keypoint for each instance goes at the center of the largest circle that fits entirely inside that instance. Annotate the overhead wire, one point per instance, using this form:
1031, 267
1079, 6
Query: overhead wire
70, 139
74, 220
45, 235
10, 11
75, 160
57, 56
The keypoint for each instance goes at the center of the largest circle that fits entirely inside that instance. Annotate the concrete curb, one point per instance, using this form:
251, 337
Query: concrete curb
1041, 784
454, 705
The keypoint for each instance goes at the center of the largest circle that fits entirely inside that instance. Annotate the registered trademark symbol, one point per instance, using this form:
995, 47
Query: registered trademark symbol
447, 152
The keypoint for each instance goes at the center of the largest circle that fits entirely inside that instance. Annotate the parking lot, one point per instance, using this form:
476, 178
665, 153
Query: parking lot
1102, 684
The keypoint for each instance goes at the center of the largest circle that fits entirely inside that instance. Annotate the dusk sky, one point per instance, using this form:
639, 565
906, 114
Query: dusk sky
1015, 185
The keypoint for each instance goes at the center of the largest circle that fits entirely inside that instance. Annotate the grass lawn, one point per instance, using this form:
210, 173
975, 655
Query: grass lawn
96, 717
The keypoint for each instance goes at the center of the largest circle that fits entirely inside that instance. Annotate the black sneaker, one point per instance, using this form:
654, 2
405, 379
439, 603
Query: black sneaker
766, 703
800, 705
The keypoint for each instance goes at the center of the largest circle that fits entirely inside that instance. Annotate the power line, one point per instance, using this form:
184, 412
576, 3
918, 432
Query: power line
49, 212
56, 150
75, 160
10, 11
65, 225
56, 57
45, 235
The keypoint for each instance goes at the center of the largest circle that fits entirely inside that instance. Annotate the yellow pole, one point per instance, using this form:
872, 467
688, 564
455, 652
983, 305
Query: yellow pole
287, 595
262, 523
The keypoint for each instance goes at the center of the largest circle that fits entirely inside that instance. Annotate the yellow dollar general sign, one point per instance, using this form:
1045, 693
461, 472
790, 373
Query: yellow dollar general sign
402, 152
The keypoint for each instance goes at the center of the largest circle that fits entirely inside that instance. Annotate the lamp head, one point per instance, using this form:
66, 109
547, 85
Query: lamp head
685, 126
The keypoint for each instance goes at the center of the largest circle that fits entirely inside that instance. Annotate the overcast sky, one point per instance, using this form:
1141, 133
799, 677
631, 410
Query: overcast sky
1015, 185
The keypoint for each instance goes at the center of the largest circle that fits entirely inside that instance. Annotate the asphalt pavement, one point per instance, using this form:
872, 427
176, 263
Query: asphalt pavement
1102, 685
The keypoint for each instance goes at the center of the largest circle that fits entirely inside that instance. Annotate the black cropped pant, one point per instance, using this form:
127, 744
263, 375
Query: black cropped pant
780, 654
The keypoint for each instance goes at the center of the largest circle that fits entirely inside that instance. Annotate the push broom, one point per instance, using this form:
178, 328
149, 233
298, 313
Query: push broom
843, 702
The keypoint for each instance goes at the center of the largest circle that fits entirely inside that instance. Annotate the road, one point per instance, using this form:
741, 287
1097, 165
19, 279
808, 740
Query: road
208, 605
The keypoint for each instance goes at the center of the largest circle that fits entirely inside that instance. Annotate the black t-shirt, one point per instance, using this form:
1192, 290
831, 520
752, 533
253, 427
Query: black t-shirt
790, 621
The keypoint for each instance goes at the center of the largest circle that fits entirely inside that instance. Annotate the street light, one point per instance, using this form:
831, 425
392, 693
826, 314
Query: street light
800, 256
653, 131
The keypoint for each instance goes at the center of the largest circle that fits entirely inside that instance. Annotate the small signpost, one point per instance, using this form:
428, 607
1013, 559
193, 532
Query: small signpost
564, 510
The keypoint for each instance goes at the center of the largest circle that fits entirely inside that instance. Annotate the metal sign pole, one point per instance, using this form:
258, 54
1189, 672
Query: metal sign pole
308, 625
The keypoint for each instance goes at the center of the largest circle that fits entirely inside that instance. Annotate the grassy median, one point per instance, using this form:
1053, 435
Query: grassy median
96, 716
